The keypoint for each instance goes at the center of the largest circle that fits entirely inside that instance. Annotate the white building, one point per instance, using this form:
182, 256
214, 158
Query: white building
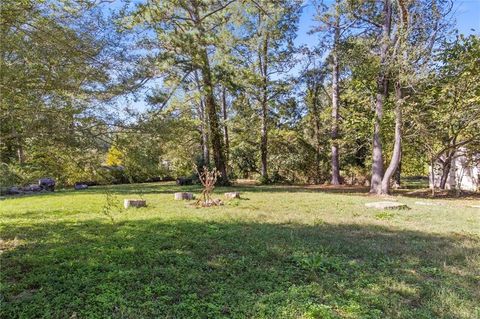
464, 172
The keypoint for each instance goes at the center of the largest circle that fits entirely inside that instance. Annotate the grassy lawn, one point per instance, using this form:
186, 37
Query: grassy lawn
280, 252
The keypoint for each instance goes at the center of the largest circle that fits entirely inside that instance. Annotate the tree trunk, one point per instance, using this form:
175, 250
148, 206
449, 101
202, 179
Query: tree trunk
447, 166
20, 155
206, 149
225, 127
203, 125
264, 128
397, 147
211, 109
382, 92
335, 101
316, 123
432, 175
397, 176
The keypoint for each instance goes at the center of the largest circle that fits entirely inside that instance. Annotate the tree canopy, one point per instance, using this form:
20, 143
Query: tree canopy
388, 88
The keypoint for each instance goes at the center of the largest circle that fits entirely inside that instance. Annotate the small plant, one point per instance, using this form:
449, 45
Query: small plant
208, 179
321, 312
384, 216
320, 262
234, 203
111, 204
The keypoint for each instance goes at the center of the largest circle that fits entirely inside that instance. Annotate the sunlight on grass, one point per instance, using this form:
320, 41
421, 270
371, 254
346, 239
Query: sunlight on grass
272, 254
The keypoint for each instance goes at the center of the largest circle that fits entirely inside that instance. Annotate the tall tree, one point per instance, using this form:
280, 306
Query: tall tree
335, 26
381, 96
448, 116
335, 96
185, 36
270, 28
408, 32
54, 79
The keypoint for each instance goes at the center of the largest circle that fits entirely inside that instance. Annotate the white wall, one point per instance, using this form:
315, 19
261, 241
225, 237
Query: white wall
463, 175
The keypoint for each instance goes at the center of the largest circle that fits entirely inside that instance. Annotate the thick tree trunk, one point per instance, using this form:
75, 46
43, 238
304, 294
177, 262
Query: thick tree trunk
382, 91
225, 127
264, 102
215, 133
397, 147
211, 108
335, 103
447, 166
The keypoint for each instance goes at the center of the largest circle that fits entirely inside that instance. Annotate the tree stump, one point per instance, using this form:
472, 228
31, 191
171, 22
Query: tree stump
183, 196
232, 195
134, 203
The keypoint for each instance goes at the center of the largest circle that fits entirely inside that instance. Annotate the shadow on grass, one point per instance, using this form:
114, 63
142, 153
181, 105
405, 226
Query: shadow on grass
181, 269
439, 194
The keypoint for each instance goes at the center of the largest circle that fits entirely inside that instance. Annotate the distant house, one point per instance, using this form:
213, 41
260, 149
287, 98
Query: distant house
464, 172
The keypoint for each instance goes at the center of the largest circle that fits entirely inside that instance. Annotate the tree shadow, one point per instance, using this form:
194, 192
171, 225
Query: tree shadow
439, 194
185, 269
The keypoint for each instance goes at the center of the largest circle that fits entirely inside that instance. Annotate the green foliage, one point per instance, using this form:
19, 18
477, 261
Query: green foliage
384, 215
447, 111
321, 312
114, 157
11, 175
209, 69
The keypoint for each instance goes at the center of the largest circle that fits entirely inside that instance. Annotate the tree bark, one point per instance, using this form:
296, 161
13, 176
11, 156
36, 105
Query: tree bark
335, 102
264, 102
206, 148
382, 92
446, 167
318, 145
397, 176
225, 127
397, 147
203, 125
211, 108
432, 175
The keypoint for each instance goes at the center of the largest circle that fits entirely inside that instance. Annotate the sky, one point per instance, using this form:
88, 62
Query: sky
465, 12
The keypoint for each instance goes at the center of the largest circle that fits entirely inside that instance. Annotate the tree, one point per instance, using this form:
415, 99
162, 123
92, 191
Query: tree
333, 27
185, 36
408, 32
449, 117
53, 66
267, 47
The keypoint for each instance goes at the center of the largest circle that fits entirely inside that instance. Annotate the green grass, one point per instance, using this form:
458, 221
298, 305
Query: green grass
280, 252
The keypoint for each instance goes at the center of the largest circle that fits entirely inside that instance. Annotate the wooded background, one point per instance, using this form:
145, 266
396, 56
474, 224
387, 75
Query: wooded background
388, 88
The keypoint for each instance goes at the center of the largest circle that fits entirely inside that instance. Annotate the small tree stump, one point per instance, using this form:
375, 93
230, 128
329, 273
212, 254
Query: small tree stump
232, 195
134, 203
183, 196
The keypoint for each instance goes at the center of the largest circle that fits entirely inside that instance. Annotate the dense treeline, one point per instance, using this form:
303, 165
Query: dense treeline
388, 88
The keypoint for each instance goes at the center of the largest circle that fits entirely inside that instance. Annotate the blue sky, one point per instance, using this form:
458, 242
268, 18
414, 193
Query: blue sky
465, 12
